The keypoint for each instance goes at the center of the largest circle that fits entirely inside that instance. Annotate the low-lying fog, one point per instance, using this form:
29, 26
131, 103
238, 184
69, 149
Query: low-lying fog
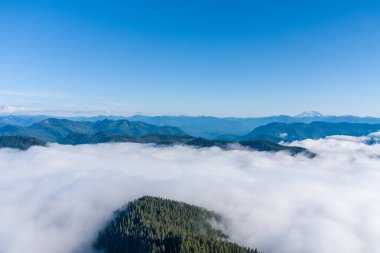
56, 198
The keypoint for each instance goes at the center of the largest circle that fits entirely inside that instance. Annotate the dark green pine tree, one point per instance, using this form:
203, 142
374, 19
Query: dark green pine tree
155, 225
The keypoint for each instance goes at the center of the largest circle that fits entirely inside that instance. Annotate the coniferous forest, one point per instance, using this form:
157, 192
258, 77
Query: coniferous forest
20, 142
156, 225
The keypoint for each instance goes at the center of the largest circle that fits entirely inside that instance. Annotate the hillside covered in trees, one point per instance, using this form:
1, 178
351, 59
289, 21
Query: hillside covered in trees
257, 145
314, 130
156, 225
53, 129
65, 131
202, 126
20, 142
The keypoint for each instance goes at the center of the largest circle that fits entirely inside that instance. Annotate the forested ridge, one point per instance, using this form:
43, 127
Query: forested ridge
71, 132
20, 142
257, 145
315, 130
206, 126
156, 225
53, 129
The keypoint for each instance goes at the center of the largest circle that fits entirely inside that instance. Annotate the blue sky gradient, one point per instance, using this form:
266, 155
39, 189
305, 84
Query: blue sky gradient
223, 58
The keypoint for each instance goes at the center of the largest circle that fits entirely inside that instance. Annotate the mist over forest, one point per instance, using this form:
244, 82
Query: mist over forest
206, 126
63, 195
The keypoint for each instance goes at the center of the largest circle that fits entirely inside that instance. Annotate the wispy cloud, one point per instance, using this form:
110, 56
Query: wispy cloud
37, 110
12, 109
34, 94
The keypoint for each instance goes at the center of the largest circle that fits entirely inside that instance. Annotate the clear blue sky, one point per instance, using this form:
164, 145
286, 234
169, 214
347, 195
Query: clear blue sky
226, 58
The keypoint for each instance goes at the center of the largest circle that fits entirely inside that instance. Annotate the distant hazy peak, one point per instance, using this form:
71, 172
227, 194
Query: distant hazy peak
307, 114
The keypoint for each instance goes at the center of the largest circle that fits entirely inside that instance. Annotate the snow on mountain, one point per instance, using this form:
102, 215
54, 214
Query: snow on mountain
310, 114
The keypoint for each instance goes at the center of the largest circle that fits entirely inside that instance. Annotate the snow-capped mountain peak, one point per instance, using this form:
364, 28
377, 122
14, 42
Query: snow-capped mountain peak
310, 114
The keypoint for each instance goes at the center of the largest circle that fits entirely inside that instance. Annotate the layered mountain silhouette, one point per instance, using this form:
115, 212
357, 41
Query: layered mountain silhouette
105, 131
314, 130
231, 128
262, 138
256, 145
53, 130
228, 128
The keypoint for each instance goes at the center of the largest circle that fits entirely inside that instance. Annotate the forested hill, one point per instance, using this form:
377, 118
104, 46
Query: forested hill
105, 131
257, 145
268, 128
230, 128
202, 126
156, 225
314, 130
20, 142
52, 129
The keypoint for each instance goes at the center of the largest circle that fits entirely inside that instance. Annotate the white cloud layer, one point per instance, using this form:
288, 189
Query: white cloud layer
55, 199
12, 109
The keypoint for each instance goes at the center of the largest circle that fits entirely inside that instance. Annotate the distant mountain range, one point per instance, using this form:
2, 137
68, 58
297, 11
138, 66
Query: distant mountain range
262, 138
315, 130
53, 130
105, 131
257, 145
231, 128
205, 126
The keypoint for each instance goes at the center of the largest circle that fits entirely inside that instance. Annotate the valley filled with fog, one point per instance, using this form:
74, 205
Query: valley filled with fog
57, 198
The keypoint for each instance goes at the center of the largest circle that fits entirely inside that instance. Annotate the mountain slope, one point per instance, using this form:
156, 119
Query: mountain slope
156, 225
257, 145
310, 114
314, 130
229, 128
203, 126
135, 128
53, 130
264, 145
106, 137
21, 120
84, 132
20, 142
14, 130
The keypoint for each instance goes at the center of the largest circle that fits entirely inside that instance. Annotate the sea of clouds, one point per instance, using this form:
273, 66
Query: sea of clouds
56, 198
